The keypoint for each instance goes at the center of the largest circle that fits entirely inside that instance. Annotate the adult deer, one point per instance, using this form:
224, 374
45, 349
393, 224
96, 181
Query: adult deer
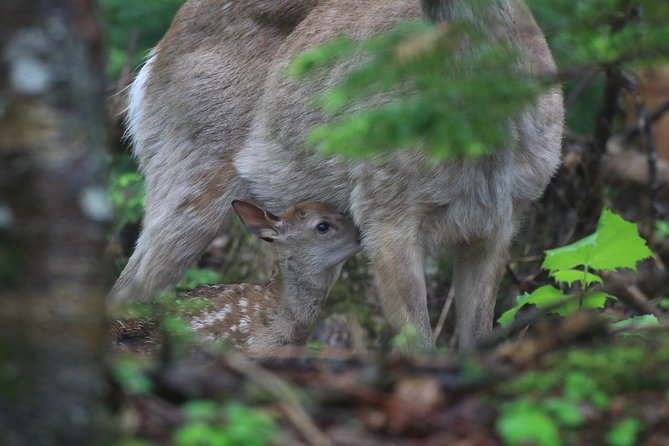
214, 118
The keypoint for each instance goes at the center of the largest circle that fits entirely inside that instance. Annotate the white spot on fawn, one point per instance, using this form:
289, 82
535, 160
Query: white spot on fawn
244, 324
211, 319
243, 302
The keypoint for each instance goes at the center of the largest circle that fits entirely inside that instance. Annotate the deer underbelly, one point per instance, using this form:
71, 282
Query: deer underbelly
279, 180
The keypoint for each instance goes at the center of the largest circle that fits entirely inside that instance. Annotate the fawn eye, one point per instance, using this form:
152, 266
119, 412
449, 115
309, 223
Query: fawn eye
323, 227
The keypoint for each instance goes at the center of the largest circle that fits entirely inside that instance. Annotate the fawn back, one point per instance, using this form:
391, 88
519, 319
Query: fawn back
214, 118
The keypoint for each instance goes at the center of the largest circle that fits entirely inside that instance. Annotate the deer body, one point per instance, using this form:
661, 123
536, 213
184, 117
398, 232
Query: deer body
403, 208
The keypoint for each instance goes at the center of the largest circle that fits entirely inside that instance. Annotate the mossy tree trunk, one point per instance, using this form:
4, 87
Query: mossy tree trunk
53, 215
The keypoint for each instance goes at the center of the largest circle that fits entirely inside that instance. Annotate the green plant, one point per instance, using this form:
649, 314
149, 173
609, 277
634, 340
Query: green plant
130, 375
615, 244
662, 229
546, 421
590, 37
210, 424
406, 338
194, 277
146, 20
125, 191
523, 421
625, 433
636, 322
554, 404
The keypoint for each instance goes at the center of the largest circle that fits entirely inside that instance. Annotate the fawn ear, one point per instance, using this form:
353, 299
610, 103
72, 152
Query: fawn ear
258, 221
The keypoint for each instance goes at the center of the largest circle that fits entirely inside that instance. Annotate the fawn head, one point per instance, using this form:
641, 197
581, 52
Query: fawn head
310, 232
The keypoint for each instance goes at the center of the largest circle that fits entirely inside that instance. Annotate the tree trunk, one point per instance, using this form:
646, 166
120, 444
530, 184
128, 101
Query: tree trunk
53, 215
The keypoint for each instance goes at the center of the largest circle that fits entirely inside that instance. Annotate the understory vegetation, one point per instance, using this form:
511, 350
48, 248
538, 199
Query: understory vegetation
580, 350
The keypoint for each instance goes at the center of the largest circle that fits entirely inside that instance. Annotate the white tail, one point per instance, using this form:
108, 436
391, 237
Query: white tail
214, 118
310, 241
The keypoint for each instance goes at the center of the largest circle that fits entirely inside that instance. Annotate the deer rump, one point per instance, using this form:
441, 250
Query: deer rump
214, 118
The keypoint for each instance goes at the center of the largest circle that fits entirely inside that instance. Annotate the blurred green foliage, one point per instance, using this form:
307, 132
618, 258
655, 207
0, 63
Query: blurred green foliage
470, 113
598, 32
194, 277
230, 424
410, 65
149, 19
132, 378
125, 190
588, 35
550, 406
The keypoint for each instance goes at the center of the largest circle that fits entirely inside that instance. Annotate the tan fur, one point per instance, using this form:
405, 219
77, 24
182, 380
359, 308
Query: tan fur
258, 319
214, 102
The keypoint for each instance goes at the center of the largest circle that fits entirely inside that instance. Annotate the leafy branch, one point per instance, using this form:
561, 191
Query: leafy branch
417, 89
615, 244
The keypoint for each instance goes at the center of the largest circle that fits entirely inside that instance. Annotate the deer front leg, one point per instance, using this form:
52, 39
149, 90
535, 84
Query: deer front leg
179, 224
476, 276
397, 263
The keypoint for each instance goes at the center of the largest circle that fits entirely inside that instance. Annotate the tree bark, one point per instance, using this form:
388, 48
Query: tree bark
53, 215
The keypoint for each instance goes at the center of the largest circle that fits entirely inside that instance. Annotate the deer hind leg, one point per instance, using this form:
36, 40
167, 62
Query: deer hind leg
476, 276
397, 263
183, 215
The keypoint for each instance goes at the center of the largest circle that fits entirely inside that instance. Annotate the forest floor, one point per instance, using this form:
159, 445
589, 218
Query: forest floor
565, 381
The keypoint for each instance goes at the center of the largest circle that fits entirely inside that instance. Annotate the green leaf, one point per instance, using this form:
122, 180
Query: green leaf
580, 387
509, 315
406, 338
549, 296
545, 296
542, 297
130, 375
625, 433
590, 301
522, 422
194, 277
662, 229
597, 300
573, 275
615, 244
567, 412
636, 322
200, 410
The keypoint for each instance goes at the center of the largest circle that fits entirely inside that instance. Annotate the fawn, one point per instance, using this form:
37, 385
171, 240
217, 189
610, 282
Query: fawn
311, 241
213, 118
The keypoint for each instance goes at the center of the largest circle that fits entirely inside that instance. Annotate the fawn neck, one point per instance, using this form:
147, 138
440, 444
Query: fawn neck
299, 291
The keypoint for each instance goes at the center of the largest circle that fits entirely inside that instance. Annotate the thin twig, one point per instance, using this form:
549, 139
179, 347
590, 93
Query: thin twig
287, 398
649, 144
517, 280
607, 112
444, 313
653, 116
637, 298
